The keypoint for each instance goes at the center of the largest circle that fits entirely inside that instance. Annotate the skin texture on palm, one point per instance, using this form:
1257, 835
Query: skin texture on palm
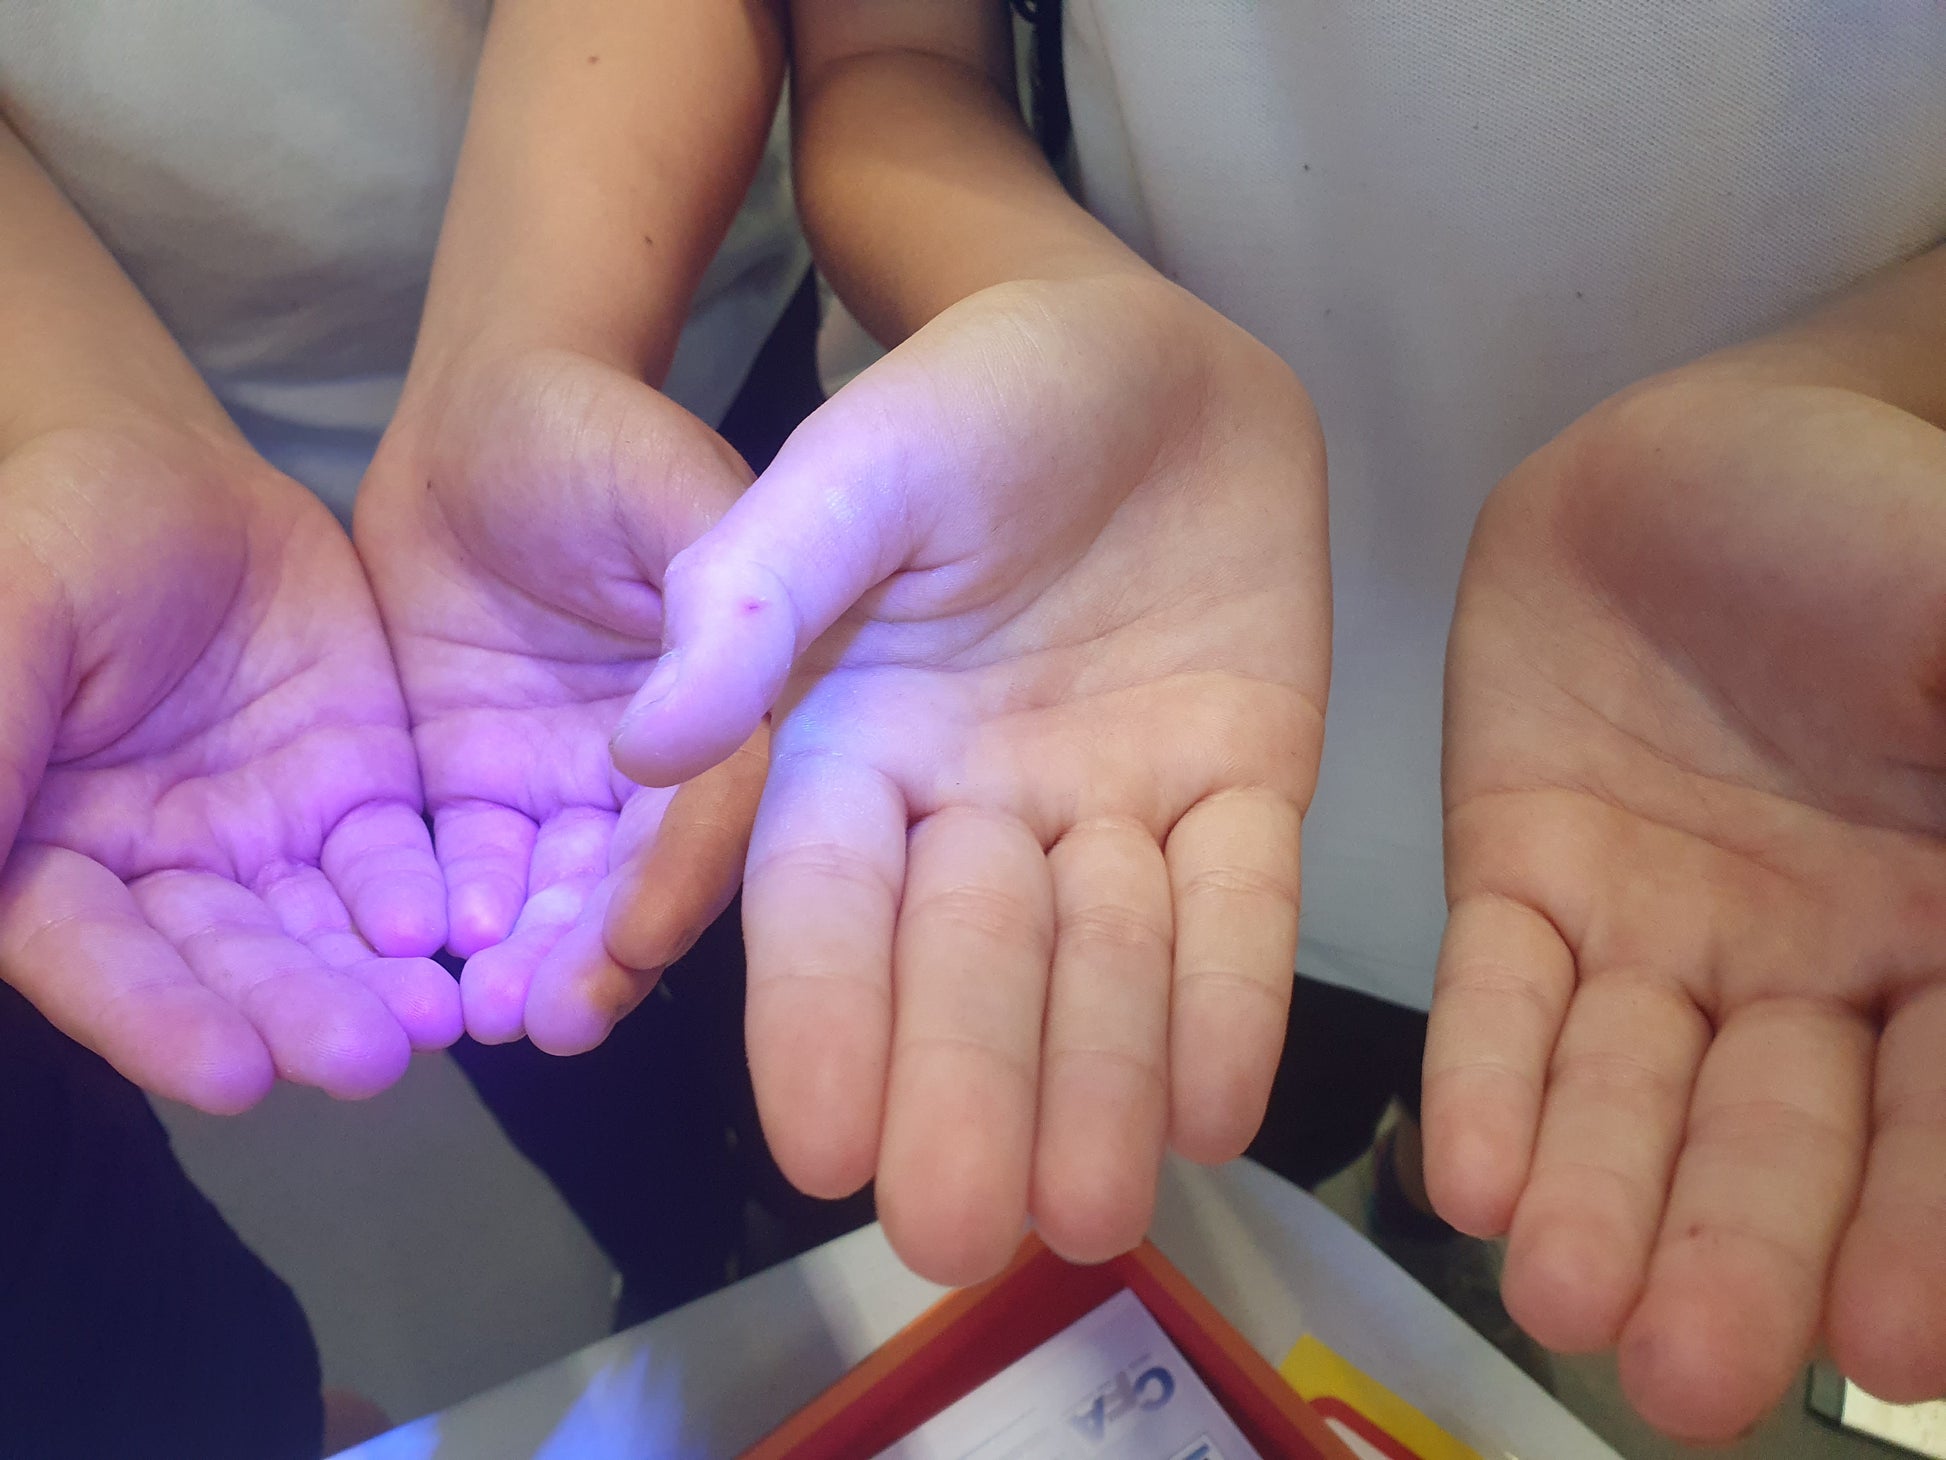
1687, 1041
1042, 602
516, 524
220, 874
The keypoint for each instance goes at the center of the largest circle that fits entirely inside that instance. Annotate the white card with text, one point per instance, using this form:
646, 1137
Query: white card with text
1110, 1386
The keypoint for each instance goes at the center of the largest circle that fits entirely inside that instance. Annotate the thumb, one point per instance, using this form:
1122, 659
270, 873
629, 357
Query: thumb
825, 524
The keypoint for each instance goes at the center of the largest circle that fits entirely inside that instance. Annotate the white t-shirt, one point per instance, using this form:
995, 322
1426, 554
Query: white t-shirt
1464, 222
272, 174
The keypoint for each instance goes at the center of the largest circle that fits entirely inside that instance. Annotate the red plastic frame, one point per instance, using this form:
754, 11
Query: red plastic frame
969, 1336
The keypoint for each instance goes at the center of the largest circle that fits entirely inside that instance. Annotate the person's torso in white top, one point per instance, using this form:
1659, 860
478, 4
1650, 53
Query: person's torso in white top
272, 174
1464, 222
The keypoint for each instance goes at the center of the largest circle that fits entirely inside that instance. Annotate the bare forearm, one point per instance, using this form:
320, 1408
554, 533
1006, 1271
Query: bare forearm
78, 343
609, 147
917, 182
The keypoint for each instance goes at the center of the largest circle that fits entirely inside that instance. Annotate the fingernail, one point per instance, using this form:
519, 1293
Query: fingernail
654, 690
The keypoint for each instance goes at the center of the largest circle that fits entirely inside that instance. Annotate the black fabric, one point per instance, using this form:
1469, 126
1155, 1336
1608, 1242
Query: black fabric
1048, 81
1346, 1056
133, 1321
1393, 1214
635, 1134
653, 1141
781, 387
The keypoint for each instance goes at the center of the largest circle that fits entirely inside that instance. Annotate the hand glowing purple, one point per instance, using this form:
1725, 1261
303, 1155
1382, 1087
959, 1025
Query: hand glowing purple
220, 872
516, 525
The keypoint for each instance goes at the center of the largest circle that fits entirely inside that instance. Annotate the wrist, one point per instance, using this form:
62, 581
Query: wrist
1885, 339
83, 411
616, 310
133, 482
919, 187
897, 290
458, 379
82, 379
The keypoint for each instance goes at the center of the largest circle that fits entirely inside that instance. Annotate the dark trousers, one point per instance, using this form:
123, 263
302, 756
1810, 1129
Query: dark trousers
1346, 1057
653, 1139
133, 1321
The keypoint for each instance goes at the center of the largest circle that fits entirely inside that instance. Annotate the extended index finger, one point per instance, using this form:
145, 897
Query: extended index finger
820, 899
1505, 978
1233, 867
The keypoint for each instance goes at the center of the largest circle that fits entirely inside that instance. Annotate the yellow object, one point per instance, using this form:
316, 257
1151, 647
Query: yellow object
1318, 1374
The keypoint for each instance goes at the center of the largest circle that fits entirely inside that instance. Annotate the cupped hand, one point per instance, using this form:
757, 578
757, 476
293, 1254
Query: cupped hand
1042, 601
218, 870
516, 523
1690, 1034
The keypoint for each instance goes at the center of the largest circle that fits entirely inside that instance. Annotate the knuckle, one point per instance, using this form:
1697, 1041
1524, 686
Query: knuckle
833, 864
1254, 884
983, 912
1486, 980
1224, 981
1611, 1075
1761, 1129
1108, 928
